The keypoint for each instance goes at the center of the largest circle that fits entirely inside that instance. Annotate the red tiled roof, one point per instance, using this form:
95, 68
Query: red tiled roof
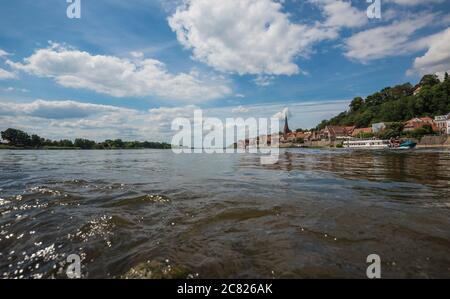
356, 132
338, 130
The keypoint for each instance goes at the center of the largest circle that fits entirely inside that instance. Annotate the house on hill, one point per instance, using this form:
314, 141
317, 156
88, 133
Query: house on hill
378, 127
417, 90
337, 132
417, 123
443, 123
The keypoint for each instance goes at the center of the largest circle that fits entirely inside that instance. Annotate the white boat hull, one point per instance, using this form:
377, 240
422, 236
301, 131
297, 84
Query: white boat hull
366, 144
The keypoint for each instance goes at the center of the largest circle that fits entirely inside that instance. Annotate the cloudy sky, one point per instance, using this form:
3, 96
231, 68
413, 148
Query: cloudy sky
126, 69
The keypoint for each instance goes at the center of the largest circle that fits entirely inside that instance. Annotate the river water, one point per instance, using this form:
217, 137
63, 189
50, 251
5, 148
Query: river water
152, 214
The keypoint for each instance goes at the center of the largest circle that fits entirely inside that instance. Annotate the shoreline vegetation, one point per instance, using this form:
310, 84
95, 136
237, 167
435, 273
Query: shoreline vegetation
398, 104
19, 140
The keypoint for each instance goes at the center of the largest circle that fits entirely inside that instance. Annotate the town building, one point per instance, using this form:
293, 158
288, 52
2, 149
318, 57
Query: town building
417, 123
308, 136
443, 123
358, 133
349, 130
317, 135
417, 90
288, 135
301, 135
378, 128
337, 132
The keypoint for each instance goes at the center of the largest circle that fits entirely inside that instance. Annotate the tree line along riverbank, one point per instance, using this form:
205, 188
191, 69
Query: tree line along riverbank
17, 139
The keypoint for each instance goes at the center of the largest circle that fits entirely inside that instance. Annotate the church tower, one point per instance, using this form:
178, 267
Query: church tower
286, 130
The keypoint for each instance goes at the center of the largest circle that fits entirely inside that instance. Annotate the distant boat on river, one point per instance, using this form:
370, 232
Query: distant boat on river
378, 144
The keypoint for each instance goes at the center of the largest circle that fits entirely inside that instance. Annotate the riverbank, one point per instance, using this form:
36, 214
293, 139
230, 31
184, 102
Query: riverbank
434, 141
425, 142
9, 147
47, 148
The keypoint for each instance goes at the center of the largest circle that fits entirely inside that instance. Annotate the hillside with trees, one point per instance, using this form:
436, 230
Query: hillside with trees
397, 104
19, 139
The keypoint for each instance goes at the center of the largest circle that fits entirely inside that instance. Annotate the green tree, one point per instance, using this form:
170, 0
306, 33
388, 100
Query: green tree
356, 104
365, 135
364, 119
118, 143
16, 137
397, 104
446, 86
84, 143
36, 141
66, 143
429, 80
420, 132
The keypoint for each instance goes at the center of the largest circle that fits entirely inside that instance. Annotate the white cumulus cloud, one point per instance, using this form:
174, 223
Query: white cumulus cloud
415, 2
57, 109
3, 53
244, 36
390, 40
340, 13
119, 77
437, 58
283, 114
4, 74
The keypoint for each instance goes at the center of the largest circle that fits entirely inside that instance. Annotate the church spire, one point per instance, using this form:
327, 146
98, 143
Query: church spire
286, 130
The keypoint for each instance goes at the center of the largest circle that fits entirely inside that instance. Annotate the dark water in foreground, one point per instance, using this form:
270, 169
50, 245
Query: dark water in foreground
317, 214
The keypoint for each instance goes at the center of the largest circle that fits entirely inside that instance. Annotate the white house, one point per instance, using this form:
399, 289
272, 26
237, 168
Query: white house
443, 123
379, 127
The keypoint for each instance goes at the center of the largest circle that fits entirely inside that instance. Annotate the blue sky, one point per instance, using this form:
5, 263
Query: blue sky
126, 68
